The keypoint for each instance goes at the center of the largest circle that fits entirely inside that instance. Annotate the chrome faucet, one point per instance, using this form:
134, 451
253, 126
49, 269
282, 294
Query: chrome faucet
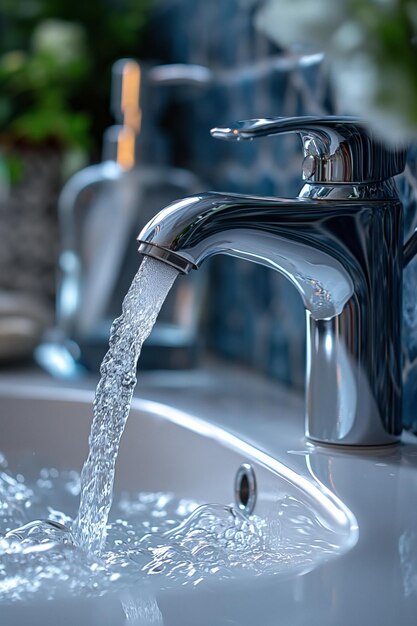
340, 242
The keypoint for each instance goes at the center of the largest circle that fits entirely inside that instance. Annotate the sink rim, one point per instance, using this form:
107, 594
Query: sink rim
344, 590
318, 493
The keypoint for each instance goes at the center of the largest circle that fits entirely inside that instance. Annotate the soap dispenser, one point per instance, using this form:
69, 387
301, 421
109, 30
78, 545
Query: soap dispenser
98, 211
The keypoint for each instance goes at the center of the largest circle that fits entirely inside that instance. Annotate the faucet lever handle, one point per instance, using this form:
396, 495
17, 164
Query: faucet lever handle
337, 149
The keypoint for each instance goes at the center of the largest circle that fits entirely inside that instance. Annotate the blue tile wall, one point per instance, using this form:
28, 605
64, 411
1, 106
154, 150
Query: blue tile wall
256, 316
408, 192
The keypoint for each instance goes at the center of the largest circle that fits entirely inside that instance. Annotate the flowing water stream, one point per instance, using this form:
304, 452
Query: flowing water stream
113, 396
152, 536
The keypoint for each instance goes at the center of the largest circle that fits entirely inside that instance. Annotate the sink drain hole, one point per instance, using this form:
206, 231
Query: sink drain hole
245, 488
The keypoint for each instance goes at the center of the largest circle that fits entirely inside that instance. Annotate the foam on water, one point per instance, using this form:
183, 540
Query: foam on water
113, 397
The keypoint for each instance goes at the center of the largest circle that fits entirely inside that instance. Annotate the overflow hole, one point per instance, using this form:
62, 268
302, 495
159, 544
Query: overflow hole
245, 488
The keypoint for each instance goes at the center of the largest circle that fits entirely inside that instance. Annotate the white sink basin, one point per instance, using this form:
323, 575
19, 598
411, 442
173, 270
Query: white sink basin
365, 576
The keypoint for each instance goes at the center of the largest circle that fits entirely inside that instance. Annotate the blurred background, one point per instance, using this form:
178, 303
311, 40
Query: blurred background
105, 113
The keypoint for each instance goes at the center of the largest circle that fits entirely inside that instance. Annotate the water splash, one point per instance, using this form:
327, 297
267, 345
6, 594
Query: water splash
113, 397
155, 541
156, 538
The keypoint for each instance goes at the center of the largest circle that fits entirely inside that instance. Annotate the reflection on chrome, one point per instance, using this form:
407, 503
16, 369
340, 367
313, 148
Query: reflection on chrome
340, 244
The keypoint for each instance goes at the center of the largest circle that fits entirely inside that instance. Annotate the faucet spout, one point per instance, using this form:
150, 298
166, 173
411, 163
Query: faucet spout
284, 234
342, 252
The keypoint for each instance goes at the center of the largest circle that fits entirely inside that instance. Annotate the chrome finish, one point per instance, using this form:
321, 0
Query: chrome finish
245, 488
341, 247
168, 257
345, 259
349, 192
336, 149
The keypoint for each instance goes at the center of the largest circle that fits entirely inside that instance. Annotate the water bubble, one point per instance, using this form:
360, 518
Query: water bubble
213, 540
171, 541
129, 379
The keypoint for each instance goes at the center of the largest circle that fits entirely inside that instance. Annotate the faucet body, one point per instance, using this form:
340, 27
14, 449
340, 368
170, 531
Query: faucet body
341, 245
